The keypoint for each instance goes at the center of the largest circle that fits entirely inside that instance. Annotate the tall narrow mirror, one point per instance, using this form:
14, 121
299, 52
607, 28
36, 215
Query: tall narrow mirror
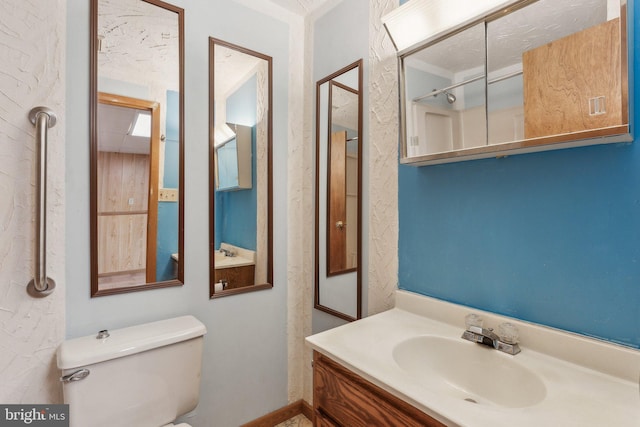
136, 164
338, 192
240, 117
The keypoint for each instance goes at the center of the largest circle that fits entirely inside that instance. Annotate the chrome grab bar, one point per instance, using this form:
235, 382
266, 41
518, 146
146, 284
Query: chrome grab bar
41, 285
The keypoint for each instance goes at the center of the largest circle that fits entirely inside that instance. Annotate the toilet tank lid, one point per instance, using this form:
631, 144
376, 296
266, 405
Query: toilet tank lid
88, 350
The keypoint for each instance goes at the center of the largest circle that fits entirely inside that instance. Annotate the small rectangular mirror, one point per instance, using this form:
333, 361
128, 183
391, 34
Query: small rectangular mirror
240, 115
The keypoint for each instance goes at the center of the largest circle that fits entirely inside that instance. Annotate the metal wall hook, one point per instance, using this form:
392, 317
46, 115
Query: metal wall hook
41, 285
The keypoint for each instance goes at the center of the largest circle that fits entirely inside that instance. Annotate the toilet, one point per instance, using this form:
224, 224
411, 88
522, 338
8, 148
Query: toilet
145, 376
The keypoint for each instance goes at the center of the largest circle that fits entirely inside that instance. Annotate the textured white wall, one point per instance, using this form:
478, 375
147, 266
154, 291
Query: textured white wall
300, 206
32, 73
383, 162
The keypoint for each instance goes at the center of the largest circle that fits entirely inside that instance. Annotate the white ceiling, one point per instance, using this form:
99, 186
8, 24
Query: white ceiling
232, 68
291, 10
300, 7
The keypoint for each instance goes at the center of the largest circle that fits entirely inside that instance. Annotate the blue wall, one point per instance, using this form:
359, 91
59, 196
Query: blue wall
236, 211
242, 104
167, 242
552, 238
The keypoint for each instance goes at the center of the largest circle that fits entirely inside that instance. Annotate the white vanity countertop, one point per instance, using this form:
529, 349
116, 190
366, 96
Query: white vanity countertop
235, 261
588, 382
242, 258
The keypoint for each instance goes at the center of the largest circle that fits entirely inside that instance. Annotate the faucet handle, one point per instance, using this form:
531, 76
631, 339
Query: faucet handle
473, 319
508, 333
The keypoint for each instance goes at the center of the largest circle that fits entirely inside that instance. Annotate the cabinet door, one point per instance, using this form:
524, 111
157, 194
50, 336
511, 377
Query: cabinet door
590, 99
351, 401
228, 165
235, 162
444, 108
322, 421
236, 277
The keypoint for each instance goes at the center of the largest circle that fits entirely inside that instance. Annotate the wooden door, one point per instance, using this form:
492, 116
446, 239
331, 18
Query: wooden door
337, 208
127, 199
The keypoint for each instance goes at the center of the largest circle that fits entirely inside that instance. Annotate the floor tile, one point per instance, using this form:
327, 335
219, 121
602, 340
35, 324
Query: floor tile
297, 421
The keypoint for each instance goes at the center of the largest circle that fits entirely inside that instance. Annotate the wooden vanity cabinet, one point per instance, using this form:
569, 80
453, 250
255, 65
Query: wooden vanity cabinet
342, 398
236, 277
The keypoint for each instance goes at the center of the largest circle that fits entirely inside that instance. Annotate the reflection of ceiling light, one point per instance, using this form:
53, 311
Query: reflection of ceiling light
419, 20
142, 125
222, 134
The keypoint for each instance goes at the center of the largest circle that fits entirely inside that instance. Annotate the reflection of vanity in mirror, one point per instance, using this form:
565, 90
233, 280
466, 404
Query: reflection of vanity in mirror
240, 170
136, 146
518, 77
338, 189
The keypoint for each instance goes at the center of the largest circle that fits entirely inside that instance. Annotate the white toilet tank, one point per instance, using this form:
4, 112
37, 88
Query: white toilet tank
145, 375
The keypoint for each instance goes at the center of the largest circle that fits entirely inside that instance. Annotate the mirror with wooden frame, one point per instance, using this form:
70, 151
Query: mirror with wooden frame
338, 224
136, 163
240, 169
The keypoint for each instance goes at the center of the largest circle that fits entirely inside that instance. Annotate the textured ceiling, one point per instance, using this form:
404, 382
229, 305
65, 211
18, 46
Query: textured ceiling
508, 37
300, 7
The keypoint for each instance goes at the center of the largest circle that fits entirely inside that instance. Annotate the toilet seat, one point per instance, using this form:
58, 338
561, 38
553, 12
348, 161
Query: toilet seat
177, 425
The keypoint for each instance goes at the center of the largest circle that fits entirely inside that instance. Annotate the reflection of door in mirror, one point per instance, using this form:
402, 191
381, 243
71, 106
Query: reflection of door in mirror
136, 145
342, 181
338, 225
240, 170
337, 222
127, 203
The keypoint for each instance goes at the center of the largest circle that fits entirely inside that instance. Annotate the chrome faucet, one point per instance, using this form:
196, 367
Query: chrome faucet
227, 252
482, 336
507, 344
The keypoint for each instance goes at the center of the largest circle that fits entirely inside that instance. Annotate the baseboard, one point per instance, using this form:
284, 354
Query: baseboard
307, 410
283, 414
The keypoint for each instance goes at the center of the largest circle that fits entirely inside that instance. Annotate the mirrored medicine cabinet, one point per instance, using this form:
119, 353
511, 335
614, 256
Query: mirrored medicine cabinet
524, 76
136, 146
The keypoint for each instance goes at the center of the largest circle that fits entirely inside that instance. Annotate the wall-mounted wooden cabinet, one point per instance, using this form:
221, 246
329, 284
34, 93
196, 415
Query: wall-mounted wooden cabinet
528, 76
343, 399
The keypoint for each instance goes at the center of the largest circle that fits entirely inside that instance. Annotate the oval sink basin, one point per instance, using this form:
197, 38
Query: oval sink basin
469, 371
